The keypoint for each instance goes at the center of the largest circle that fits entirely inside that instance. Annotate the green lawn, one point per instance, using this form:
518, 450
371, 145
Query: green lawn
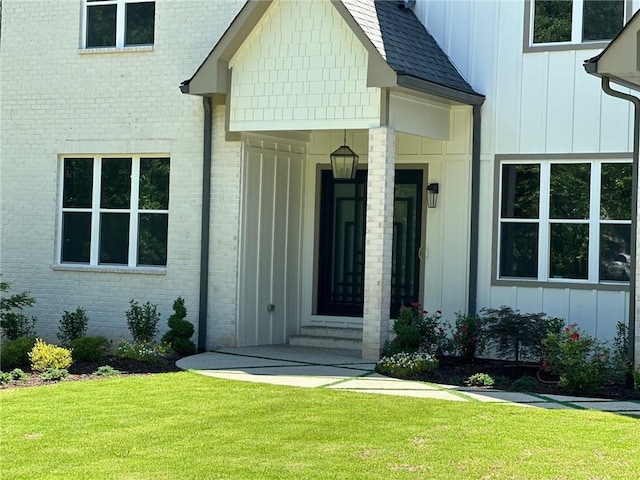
183, 426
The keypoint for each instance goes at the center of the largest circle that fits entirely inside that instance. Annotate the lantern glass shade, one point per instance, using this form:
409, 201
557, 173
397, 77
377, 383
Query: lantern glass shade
344, 163
432, 195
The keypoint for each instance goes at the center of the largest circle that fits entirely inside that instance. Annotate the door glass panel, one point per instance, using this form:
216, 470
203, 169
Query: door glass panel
341, 279
407, 211
342, 243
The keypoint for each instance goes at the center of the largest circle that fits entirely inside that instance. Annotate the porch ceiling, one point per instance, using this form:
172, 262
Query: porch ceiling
401, 52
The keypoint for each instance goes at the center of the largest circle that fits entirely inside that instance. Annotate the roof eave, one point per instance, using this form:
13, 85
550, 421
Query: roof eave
424, 86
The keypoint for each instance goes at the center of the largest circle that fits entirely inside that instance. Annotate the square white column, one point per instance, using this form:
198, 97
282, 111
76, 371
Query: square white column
378, 241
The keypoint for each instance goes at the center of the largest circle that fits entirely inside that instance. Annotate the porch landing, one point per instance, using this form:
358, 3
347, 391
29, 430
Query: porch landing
324, 368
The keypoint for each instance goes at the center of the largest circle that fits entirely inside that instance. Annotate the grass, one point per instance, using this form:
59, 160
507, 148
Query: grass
187, 426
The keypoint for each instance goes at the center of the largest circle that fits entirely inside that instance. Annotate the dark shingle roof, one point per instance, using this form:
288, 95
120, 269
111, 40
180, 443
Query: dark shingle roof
404, 42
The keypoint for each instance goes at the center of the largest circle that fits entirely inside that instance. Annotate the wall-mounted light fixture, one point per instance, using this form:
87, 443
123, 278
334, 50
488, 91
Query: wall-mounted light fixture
344, 162
432, 195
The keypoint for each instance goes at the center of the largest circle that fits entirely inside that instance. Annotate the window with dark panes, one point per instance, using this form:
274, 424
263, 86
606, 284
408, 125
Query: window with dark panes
579, 229
575, 21
119, 23
519, 220
115, 211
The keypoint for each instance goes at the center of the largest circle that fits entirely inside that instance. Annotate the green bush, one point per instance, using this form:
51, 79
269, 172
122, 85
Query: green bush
416, 329
620, 364
180, 331
15, 353
525, 384
106, 371
480, 380
517, 335
468, 338
406, 365
15, 324
636, 381
44, 357
54, 374
18, 374
580, 360
142, 321
5, 377
72, 325
145, 352
89, 349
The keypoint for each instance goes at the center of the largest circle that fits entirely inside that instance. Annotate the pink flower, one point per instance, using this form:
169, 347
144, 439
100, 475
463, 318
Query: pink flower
566, 329
416, 304
424, 312
575, 336
463, 328
441, 330
439, 312
545, 364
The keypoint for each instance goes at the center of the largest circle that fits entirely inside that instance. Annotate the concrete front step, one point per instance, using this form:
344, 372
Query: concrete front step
326, 342
351, 333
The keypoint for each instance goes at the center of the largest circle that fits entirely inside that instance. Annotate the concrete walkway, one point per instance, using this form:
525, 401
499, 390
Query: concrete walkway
321, 368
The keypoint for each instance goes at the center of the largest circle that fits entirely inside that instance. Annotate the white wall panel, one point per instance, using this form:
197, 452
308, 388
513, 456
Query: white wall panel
559, 111
533, 111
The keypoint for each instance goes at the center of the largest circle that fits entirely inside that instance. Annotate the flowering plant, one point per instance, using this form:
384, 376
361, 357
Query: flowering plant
416, 329
468, 337
145, 352
406, 365
580, 360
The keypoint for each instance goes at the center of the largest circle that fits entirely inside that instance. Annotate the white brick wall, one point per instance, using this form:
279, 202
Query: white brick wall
57, 99
302, 67
379, 241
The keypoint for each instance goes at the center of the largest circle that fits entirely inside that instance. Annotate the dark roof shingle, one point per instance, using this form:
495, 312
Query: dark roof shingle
404, 42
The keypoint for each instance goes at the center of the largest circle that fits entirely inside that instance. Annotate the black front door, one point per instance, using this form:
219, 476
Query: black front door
342, 242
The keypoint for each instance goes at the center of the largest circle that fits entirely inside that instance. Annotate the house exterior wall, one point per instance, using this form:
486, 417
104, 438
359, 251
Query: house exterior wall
57, 99
537, 102
301, 68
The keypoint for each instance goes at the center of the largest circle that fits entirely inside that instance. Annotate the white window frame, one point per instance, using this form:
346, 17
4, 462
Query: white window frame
96, 211
576, 26
544, 222
120, 22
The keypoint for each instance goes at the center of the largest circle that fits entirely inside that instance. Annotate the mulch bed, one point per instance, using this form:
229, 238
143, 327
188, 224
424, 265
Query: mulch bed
84, 371
452, 371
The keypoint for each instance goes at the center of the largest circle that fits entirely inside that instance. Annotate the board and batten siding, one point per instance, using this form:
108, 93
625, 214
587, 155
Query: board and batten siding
269, 283
538, 102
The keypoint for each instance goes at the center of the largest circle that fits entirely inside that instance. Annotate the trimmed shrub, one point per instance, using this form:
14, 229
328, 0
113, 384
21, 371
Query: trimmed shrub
72, 325
145, 352
106, 371
516, 335
54, 374
468, 338
142, 321
480, 380
417, 330
89, 349
5, 377
406, 365
525, 383
44, 357
15, 324
15, 353
580, 360
180, 331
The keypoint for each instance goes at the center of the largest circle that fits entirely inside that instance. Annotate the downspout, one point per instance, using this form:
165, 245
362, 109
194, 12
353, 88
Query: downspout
475, 212
205, 223
606, 87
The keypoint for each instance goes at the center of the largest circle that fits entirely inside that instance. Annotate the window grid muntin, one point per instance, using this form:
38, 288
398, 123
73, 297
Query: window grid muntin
96, 210
120, 22
544, 222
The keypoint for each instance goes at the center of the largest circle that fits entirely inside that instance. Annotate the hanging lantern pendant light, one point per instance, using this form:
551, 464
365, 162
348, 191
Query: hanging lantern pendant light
344, 162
